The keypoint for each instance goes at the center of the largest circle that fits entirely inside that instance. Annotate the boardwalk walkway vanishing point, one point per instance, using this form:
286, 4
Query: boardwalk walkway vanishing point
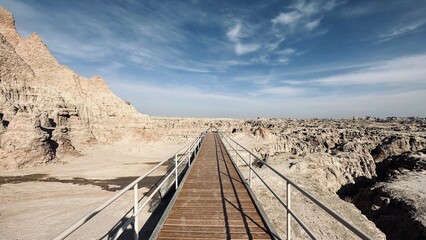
213, 202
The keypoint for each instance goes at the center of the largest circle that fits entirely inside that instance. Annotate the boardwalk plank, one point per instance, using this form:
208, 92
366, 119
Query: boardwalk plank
213, 202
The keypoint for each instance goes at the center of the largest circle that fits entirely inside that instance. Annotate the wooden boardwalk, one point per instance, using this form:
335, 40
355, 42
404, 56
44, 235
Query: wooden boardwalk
213, 202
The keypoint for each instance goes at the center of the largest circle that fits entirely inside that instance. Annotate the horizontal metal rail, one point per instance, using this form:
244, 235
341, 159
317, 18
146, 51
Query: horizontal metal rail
332, 213
191, 148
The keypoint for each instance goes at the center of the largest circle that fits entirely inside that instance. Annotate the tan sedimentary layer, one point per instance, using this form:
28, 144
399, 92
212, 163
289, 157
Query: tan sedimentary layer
45, 108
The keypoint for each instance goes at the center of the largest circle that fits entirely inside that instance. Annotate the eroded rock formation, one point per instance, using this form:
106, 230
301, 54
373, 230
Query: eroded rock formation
46, 108
377, 164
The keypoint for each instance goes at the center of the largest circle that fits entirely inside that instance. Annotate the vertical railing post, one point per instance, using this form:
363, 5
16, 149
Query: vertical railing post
136, 212
288, 211
176, 171
250, 169
189, 156
236, 154
193, 147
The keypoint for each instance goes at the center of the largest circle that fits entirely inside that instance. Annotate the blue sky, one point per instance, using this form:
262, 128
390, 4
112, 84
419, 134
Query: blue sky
243, 59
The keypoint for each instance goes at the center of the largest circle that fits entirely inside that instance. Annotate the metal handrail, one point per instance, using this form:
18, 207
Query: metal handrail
191, 148
290, 183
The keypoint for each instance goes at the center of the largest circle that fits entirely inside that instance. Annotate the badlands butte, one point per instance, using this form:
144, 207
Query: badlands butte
67, 143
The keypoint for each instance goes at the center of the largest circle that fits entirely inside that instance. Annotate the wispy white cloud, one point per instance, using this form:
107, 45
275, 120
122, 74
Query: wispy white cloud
152, 40
290, 18
299, 21
185, 68
313, 24
286, 52
283, 60
385, 104
292, 82
255, 79
331, 4
283, 56
303, 16
173, 90
234, 33
113, 66
183, 100
65, 48
310, 8
357, 11
402, 30
303, 10
241, 49
331, 68
403, 71
282, 90
274, 44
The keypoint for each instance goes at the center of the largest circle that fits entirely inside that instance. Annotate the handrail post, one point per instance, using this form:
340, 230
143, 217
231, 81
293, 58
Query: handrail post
176, 171
136, 212
236, 154
189, 156
250, 169
288, 211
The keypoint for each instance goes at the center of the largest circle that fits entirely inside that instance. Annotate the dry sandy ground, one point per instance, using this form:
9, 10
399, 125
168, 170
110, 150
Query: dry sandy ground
50, 198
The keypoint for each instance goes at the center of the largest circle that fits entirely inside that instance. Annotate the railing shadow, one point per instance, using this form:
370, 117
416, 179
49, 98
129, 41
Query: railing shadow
157, 206
223, 155
228, 233
149, 226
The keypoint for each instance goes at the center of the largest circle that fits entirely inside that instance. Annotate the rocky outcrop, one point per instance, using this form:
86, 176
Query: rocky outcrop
397, 206
337, 152
396, 165
395, 201
24, 141
395, 145
46, 108
261, 132
377, 164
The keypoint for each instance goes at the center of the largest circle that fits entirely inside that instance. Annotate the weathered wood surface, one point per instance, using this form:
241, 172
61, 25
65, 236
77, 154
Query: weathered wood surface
213, 202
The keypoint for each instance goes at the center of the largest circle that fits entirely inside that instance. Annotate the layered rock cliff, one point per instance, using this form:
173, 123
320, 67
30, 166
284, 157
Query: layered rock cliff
45, 108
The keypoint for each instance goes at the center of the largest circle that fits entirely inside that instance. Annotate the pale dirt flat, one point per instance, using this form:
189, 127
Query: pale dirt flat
410, 187
41, 210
